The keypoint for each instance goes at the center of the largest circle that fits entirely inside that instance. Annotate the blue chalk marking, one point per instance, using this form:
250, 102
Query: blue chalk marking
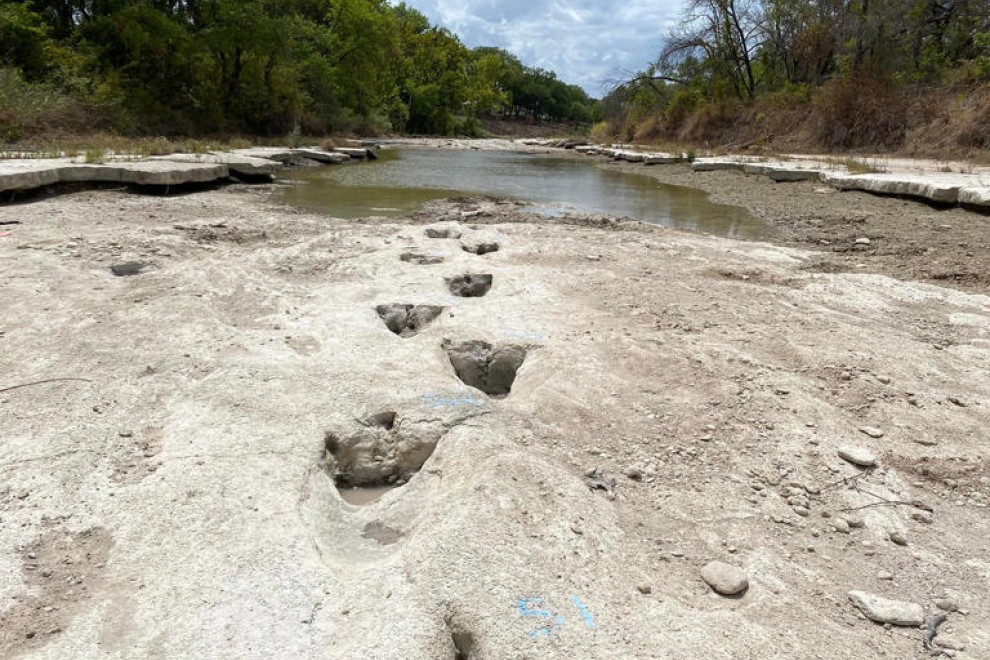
532, 336
526, 609
435, 401
526, 606
585, 613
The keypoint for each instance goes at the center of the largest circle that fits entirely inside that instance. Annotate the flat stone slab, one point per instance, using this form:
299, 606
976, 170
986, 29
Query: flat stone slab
629, 156
975, 196
238, 164
279, 154
717, 165
930, 187
90, 173
359, 153
25, 175
283, 154
326, 157
884, 610
782, 172
161, 173
661, 159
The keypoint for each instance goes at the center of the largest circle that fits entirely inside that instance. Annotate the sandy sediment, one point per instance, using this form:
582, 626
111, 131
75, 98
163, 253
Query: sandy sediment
673, 400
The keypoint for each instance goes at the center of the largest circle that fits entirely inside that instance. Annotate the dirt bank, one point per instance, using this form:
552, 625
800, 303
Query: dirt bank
176, 497
908, 240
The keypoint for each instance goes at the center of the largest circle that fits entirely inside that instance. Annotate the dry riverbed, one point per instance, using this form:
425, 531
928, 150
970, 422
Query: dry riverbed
906, 239
675, 400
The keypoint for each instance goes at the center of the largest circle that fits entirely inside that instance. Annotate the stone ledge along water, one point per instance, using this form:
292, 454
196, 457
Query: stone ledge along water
928, 181
169, 170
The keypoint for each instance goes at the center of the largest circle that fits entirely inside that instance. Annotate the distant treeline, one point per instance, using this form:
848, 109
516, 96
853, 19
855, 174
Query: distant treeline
850, 69
263, 67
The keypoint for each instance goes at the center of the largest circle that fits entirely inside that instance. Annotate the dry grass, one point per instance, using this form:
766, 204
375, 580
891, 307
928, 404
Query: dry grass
102, 146
855, 166
942, 122
27, 108
863, 111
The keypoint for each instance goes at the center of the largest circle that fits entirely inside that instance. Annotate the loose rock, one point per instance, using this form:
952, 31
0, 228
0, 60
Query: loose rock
858, 456
871, 431
128, 268
725, 579
898, 538
883, 610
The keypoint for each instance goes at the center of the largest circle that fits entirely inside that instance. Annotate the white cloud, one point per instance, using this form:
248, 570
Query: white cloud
585, 42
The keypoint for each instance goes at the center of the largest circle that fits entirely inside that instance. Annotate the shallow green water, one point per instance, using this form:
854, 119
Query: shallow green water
402, 180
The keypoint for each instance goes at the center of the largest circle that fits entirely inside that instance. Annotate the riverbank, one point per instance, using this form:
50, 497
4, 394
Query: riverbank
675, 399
905, 239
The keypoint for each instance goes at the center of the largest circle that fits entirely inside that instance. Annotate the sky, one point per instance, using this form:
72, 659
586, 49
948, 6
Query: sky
586, 42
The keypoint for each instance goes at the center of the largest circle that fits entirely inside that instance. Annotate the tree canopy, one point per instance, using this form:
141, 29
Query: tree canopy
267, 67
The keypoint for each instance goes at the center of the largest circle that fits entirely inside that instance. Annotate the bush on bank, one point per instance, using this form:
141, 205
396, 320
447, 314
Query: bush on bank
911, 75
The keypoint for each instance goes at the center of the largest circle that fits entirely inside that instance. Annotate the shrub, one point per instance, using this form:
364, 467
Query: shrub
864, 109
601, 132
976, 133
27, 108
711, 120
650, 129
682, 104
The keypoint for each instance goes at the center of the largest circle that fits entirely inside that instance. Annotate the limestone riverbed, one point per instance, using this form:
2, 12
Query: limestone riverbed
561, 455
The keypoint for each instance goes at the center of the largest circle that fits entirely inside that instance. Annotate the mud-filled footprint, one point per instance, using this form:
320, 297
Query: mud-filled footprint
470, 285
407, 320
373, 456
368, 456
488, 368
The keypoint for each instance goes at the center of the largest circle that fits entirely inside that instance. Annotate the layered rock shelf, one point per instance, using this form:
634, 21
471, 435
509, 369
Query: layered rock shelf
930, 181
254, 164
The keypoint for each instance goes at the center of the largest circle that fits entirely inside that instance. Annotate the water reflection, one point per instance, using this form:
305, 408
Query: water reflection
404, 179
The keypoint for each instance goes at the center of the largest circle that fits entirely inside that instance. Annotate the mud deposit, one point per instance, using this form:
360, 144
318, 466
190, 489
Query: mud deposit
551, 464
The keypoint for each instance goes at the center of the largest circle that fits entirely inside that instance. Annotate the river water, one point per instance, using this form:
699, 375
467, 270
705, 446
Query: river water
403, 179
